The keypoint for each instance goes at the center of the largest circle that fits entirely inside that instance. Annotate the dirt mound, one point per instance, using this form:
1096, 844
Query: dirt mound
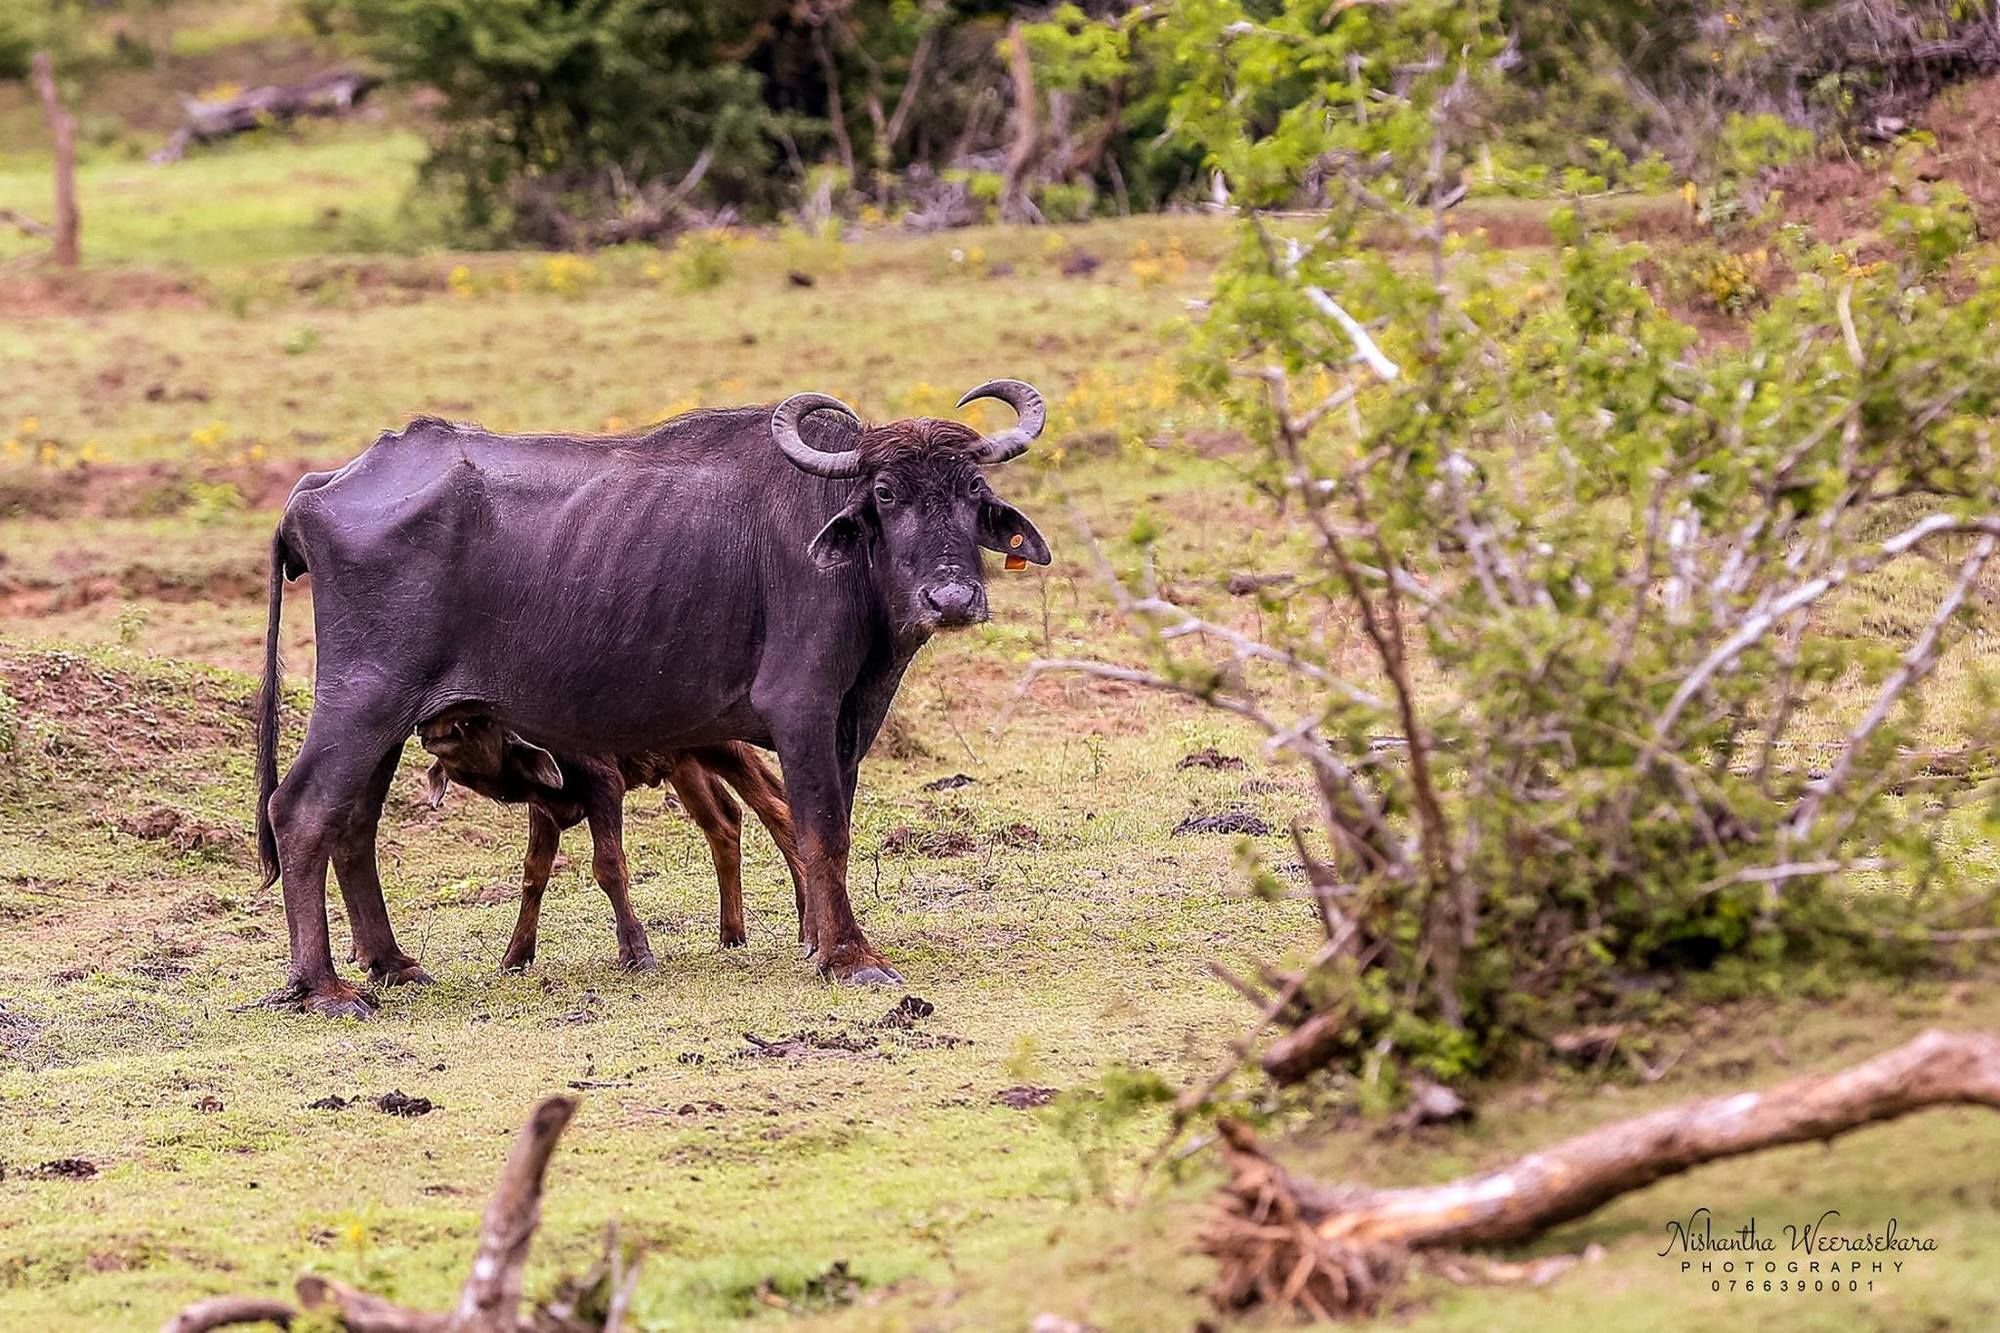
117, 716
138, 490
1836, 197
44, 292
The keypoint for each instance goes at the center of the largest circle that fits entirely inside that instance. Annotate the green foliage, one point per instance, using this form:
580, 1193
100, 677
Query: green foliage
702, 261
550, 107
1581, 557
1751, 145
1931, 225
1706, 274
1095, 1118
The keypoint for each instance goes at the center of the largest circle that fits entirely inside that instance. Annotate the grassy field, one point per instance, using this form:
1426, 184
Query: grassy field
153, 413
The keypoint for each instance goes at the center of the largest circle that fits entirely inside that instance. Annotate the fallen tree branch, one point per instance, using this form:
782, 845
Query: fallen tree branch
23, 223
1296, 1245
333, 93
491, 1298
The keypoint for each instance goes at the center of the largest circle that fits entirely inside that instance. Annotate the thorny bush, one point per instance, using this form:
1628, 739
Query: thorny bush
1558, 649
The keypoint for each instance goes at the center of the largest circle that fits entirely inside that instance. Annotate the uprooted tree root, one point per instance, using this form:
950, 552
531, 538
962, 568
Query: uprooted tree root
490, 1300
1293, 1245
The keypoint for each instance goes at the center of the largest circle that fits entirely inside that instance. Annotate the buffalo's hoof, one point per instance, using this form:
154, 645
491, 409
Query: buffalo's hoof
864, 970
640, 962
511, 963
734, 939
405, 972
329, 999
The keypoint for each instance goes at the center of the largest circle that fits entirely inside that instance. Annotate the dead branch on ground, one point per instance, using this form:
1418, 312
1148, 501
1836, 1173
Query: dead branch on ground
1296, 1245
332, 94
490, 1300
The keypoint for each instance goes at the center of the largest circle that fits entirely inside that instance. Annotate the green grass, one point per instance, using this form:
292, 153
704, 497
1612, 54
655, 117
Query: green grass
154, 433
239, 203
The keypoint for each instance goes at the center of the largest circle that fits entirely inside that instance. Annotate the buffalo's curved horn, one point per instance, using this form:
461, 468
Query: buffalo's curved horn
785, 419
1027, 404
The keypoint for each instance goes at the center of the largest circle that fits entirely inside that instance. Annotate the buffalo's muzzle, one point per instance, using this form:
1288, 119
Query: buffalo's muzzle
955, 603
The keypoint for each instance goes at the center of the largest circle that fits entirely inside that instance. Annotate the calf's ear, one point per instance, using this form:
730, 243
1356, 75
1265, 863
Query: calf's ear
1007, 530
533, 760
845, 537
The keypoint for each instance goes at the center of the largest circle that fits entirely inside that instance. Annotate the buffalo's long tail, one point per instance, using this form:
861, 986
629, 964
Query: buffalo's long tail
267, 714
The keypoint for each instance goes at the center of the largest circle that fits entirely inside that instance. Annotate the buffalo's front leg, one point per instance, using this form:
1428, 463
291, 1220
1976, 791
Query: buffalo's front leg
544, 838
605, 808
820, 805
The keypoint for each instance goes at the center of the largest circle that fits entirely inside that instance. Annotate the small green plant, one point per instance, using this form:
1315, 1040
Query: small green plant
702, 261
211, 502
301, 340
10, 723
132, 619
1931, 225
1095, 1118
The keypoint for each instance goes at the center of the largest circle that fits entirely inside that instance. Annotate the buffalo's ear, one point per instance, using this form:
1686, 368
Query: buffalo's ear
1007, 530
844, 537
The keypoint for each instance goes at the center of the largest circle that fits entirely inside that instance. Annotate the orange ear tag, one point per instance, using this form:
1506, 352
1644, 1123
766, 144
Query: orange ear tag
1014, 561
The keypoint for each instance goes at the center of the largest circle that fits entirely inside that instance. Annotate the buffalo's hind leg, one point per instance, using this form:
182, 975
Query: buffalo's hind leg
721, 822
604, 807
360, 882
310, 810
544, 837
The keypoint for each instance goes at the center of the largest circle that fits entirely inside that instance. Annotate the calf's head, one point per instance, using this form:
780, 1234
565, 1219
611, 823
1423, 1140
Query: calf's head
923, 508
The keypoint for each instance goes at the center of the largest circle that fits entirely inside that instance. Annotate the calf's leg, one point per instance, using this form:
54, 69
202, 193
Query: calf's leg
721, 822
743, 768
604, 807
544, 838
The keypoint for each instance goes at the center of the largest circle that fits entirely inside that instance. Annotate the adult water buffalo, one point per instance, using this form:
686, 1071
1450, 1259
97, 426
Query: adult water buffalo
760, 574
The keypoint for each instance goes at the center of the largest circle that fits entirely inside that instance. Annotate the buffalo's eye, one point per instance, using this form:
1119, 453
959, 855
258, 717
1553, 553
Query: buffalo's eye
884, 493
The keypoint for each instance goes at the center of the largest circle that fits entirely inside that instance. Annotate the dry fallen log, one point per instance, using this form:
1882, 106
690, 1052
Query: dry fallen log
1296, 1245
334, 93
490, 1300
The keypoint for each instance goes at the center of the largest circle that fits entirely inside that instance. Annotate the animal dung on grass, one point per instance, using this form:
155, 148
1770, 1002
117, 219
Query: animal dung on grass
1209, 757
1240, 822
399, 1103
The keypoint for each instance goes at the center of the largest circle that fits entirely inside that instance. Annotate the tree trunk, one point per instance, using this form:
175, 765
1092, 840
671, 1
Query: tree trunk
836, 112
62, 129
1015, 206
1296, 1244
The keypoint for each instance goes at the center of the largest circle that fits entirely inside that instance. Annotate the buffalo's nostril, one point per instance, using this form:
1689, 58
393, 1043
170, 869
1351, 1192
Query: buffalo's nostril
951, 599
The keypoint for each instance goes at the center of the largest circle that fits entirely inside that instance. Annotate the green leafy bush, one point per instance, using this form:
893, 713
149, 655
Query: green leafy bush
553, 110
1575, 734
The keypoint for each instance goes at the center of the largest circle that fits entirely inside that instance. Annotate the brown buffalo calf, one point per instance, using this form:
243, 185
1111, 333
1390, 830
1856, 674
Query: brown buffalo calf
473, 750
